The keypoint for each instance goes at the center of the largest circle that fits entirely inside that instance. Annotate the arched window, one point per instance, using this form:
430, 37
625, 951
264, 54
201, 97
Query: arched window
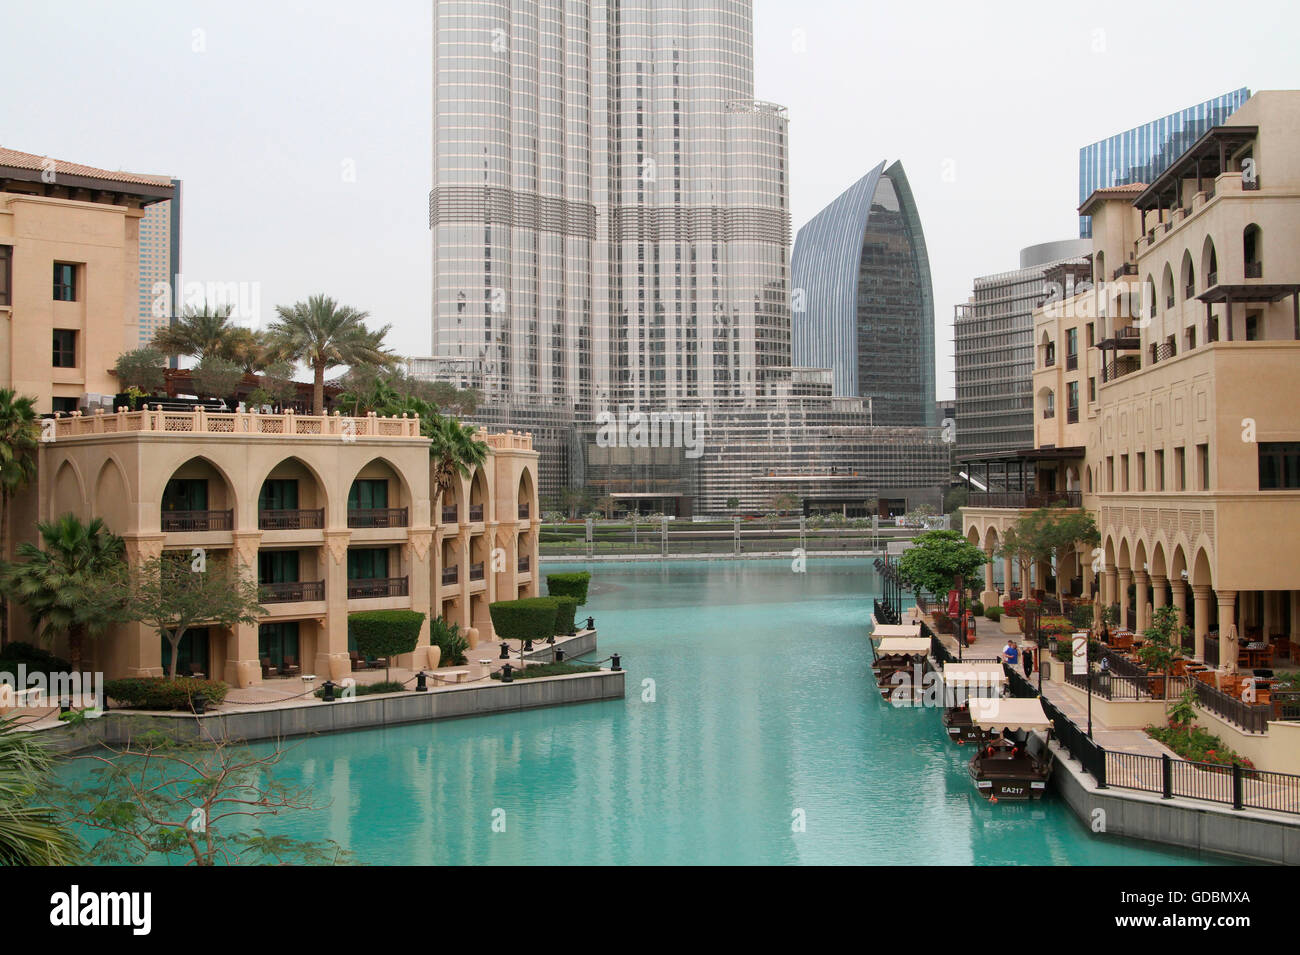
1167, 286
1252, 251
1210, 263
1099, 270
1149, 290
1188, 277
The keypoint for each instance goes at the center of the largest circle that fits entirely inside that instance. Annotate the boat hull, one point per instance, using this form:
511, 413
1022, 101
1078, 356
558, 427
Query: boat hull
1018, 783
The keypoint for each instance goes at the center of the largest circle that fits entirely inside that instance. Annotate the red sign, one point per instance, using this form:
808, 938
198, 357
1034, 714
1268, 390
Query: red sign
954, 600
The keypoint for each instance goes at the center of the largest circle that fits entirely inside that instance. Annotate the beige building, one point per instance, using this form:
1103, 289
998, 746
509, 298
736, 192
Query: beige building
1165, 392
69, 275
334, 515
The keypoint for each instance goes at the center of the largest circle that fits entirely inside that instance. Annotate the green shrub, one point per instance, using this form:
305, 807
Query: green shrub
36, 659
365, 689
976, 608
565, 609
569, 585
448, 638
529, 618
159, 693
993, 613
385, 633
549, 669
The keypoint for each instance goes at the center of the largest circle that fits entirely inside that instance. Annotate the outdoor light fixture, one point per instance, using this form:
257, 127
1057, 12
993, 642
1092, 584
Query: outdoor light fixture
614, 662
559, 656
505, 651
328, 687
421, 686
506, 672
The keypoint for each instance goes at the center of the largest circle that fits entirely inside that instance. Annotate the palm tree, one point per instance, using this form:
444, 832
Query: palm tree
199, 333
19, 441
454, 450
74, 585
322, 334
30, 834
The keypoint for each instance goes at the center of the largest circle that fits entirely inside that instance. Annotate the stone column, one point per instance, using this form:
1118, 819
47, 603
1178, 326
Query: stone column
1227, 646
332, 641
990, 596
1270, 616
243, 667
419, 541
1201, 597
1110, 590
1178, 594
1006, 575
1125, 578
1141, 595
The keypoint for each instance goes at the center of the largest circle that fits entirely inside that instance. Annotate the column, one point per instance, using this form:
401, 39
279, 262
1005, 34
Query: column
1201, 598
990, 596
1110, 590
1178, 592
243, 667
1158, 585
1006, 575
1125, 578
1140, 582
332, 658
1269, 623
1227, 644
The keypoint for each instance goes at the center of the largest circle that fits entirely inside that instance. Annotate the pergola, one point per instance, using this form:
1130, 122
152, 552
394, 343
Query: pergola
1017, 477
1207, 158
1255, 292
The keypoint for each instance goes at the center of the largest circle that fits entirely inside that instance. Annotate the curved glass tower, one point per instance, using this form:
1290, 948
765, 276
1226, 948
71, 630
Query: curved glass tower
862, 303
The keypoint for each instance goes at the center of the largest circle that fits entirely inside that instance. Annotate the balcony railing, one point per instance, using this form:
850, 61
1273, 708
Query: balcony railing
1049, 361
475, 513
1212, 280
1049, 412
1024, 498
1072, 415
378, 587
1072, 362
476, 571
198, 520
377, 517
1169, 301
450, 575
292, 592
1189, 292
1121, 367
1254, 270
524, 564
523, 512
291, 519
1128, 268
449, 515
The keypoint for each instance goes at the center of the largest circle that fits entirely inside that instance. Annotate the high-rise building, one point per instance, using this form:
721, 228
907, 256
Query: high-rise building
993, 348
160, 263
1142, 153
863, 304
609, 202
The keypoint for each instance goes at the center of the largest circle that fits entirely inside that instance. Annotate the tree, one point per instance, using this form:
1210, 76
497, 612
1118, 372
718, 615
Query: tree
455, 449
1163, 641
784, 502
937, 560
322, 334
174, 593
200, 333
74, 585
1049, 534
19, 442
30, 832
196, 802
279, 384
606, 506
215, 377
733, 503
385, 633
144, 368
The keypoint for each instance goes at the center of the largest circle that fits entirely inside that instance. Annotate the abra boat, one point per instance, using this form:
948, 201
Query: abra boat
981, 679
1017, 764
900, 658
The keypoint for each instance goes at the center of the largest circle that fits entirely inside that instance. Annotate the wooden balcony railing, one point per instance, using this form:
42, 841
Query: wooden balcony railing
475, 513
449, 515
476, 571
198, 520
525, 564
1254, 270
1071, 362
378, 587
291, 520
450, 575
1072, 415
523, 512
292, 592
378, 517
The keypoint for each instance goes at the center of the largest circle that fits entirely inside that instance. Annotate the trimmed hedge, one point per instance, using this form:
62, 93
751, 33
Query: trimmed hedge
565, 610
548, 669
385, 633
529, 618
569, 585
993, 613
364, 689
159, 693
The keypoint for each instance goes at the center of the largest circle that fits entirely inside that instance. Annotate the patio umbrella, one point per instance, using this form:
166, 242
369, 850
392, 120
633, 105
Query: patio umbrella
1096, 613
1229, 649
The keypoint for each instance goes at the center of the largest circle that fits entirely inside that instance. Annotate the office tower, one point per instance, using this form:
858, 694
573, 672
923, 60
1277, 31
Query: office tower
160, 263
1142, 153
993, 348
862, 302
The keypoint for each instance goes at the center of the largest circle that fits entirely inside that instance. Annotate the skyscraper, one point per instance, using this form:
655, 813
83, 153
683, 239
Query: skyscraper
863, 303
1142, 153
160, 262
610, 204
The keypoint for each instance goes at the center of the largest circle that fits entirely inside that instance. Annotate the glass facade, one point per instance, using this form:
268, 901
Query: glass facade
863, 304
160, 263
1142, 153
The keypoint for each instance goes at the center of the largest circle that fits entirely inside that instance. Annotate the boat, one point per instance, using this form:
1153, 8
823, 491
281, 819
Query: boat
901, 659
1014, 763
983, 679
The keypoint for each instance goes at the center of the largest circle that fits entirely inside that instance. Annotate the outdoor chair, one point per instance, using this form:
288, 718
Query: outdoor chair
267, 669
290, 666
358, 661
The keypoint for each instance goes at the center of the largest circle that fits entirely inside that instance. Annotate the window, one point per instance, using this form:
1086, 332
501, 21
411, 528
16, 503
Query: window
1159, 473
277, 567
1092, 390
1279, 465
65, 282
278, 495
1180, 469
1203, 465
1110, 473
65, 348
1123, 472
191, 655
1141, 471
367, 494
1092, 335
278, 642
63, 405
6, 274
185, 494
367, 563
1252, 326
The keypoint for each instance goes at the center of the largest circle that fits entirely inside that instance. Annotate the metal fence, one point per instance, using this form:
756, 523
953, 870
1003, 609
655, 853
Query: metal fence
1236, 786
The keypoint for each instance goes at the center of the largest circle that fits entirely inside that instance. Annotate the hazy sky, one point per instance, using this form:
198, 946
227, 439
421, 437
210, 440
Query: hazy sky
302, 130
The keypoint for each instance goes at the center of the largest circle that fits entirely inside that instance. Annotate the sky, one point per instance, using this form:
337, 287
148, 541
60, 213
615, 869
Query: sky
302, 132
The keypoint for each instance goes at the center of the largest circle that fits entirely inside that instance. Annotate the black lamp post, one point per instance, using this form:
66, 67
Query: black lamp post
961, 613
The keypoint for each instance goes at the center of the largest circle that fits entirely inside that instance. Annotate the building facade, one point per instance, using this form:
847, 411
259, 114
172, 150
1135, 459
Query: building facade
69, 275
333, 515
993, 347
1142, 153
160, 263
862, 304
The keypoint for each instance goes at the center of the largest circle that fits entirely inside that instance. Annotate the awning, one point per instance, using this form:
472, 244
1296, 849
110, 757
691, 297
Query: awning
985, 674
1008, 714
897, 630
903, 646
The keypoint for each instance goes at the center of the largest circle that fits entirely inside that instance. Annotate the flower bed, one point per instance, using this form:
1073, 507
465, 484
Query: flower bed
1198, 745
159, 693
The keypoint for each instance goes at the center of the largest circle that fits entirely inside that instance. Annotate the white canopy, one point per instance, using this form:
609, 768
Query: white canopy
903, 646
982, 673
897, 630
1008, 714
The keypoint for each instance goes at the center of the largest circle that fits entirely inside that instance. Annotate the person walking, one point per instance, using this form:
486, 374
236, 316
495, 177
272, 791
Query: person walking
1028, 662
1010, 653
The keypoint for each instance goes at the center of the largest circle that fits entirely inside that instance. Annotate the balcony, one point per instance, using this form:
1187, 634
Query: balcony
523, 512
1049, 361
1029, 499
291, 520
1128, 268
449, 515
173, 521
1189, 292
476, 571
1049, 413
450, 575
476, 513
1254, 270
1211, 280
524, 564
1072, 362
377, 517
292, 592
378, 587
1072, 415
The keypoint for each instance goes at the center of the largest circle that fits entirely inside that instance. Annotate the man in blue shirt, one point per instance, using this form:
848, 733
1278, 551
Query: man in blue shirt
1011, 653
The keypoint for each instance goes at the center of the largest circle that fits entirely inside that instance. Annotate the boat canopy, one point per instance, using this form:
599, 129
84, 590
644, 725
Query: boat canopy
1009, 714
981, 673
897, 630
903, 646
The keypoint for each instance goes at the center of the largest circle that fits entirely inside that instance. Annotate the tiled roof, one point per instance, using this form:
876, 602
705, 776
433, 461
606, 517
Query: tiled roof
1133, 189
21, 160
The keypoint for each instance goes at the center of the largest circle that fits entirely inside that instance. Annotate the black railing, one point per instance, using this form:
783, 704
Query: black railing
1254, 270
1128, 268
1049, 361
1076, 742
1024, 498
524, 564
291, 520
1231, 785
1071, 362
476, 512
1049, 412
1166, 351
1189, 291
1212, 279
523, 512
378, 587
450, 575
449, 514
1072, 415
377, 517
198, 520
283, 592
1252, 717
476, 571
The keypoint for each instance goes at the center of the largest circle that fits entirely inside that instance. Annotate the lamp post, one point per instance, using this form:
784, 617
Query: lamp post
961, 612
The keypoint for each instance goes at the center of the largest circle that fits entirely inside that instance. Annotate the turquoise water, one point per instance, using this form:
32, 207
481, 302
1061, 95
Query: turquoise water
763, 705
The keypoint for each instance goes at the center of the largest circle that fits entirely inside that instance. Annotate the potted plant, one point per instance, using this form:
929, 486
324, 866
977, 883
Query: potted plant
1162, 645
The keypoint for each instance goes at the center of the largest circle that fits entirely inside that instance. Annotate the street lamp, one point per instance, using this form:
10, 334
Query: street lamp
961, 613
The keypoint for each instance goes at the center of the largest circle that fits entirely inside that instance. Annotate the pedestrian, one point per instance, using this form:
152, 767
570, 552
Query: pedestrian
1029, 662
1010, 653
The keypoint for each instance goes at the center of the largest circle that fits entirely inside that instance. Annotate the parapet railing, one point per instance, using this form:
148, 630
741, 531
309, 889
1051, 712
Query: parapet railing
242, 424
